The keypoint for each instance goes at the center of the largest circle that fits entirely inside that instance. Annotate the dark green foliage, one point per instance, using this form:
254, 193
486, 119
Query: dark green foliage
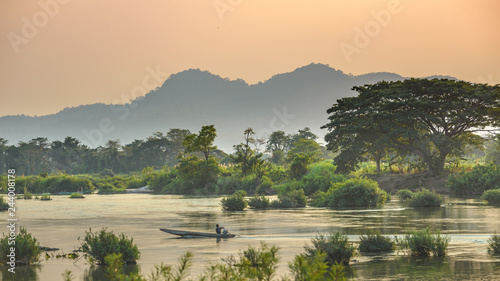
405, 194
336, 246
375, 243
494, 244
475, 182
425, 198
107, 173
303, 153
27, 248
321, 175
259, 202
492, 197
3, 204
355, 192
234, 202
159, 181
194, 174
55, 183
433, 118
100, 244
265, 186
291, 199
298, 166
423, 243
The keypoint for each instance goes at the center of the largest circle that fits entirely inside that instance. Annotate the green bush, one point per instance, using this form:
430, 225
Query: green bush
27, 248
160, 181
475, 182
3, 204
76, 195
404, 194
494, 244
375, 243
423, 243
260, 264
425, 198
355, 192
100, 244
315, 268
336, 246
234, 202
492, 197
259, 202
291, 199
321, 175
265, 186
45, 197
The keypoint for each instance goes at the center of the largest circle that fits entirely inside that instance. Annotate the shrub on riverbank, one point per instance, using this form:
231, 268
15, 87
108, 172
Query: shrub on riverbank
55, 183
423, 243
291, 199
336, 246
100, 244
259, 202
321, 175
425, 198
475, 182
27, 248
404, 194
492, 197
3, 204
375, 243
494, 244
355, 192
234, 202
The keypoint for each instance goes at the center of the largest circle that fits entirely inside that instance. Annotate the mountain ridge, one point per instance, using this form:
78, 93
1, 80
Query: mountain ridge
192, 98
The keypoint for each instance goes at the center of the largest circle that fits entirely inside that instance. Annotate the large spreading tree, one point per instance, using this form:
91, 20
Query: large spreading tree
430, 118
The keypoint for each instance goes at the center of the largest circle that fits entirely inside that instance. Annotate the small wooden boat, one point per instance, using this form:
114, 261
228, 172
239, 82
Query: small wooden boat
191, 234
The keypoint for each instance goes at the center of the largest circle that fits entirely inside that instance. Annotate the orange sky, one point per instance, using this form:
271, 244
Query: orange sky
63, 53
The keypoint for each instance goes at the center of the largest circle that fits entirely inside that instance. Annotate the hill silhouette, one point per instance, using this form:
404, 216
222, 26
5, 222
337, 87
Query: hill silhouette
193, 98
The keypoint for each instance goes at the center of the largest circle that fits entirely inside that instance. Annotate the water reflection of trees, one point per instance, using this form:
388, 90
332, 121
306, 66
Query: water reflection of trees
98, 273
23, 273
427, 268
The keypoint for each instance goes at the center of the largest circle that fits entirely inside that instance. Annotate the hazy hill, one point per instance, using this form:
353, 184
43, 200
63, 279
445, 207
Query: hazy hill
192, 98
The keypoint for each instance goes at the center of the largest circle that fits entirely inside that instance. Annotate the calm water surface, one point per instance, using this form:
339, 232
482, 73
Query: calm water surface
59, 223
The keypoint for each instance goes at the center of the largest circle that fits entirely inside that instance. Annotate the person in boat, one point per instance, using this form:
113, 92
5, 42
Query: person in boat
220, 229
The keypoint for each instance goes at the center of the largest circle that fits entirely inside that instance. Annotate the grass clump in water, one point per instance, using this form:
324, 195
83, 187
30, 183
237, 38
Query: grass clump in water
27, 248
494, 244
76, 195
291, 199
424, 243
234, 202
45, 197
336, 246
100, 244
376, 243
405, 194
492, 197
259, 202
425, 198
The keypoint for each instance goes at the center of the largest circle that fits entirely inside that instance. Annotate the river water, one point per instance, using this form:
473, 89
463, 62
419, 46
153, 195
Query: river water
58, 223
